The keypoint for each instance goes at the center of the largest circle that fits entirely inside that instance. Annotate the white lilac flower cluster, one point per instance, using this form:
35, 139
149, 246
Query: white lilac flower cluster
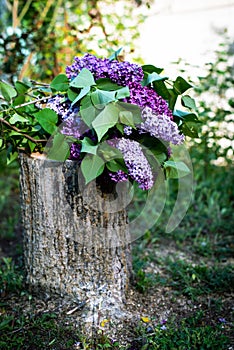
138, 166
160, 126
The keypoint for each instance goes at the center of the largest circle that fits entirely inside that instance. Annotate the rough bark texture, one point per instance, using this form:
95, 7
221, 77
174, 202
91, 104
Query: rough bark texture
76, 242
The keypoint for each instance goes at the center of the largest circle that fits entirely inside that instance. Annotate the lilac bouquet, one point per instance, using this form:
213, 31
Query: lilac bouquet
115, 118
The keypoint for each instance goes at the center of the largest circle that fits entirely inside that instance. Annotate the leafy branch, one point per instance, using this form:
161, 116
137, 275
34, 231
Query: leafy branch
25, 104
2, 120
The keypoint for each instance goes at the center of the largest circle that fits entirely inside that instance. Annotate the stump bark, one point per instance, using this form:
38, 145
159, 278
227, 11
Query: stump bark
76, 239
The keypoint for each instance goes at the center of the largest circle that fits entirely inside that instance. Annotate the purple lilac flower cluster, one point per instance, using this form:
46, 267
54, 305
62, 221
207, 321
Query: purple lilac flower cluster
144, 96
160, 126
121, 73
59, 104
157, 118
62, 106
136, 162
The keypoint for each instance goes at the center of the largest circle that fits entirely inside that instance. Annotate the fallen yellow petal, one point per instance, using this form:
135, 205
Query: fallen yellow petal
104, 322
145, 319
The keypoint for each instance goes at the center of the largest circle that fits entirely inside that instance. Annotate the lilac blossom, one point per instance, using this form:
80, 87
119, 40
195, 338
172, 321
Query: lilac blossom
144, 96
121, 73
222, 320
160, 126
164, 321
127, 130
59, 104
72, 125
62, 106
118, 176
75, 151
136, 162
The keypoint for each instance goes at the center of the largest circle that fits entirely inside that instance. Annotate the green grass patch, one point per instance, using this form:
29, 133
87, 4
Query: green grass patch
194, 280
38, 332
11, 277
189, 333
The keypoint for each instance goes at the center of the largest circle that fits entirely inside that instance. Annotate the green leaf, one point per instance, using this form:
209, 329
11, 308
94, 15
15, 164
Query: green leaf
107, 84
100, 98
126, 118
108, 152
11, 156
84, 91
190, 129
72, 94
7, 91
32, 145
15, 133
21, 87
87, 111
122, 93
60, 83
120, 127
151, 77
161, 89
18, 100
187, 122
115, 55
84, 78
88, 146
149, 68
161, 157
180, 85
134, 109
48, 119
186, 116
175, 170
172, 99
188, 102
92, 166
116, 164
105, 120
155, 147
17, 118
60, 149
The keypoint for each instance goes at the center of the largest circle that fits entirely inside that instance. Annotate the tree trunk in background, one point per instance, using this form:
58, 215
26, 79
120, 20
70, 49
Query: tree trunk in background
76, 244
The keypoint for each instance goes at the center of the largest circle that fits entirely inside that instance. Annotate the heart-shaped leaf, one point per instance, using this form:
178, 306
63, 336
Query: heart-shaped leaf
60, 149
105, 120
7, 91
48, 119
175, 170
60, 83
84, 78
88, 146
92, 166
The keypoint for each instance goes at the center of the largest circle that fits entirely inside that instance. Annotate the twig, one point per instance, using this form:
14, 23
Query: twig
26, 104
20, 132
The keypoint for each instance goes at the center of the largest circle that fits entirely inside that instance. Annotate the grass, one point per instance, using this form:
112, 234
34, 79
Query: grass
35, 332
190, 270
190, 333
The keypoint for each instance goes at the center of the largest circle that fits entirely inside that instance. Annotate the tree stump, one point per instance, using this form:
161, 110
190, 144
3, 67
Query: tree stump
76, 239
